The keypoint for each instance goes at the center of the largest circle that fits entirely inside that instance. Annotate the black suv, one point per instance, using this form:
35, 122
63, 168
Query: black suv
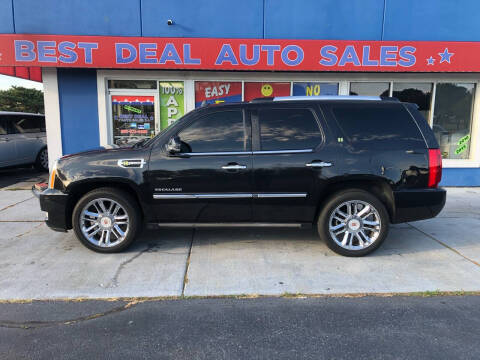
348, 165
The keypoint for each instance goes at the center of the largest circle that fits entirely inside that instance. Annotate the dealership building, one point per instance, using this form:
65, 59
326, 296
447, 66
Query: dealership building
116, 71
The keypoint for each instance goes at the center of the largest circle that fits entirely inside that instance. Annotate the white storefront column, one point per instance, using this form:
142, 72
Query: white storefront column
52, 115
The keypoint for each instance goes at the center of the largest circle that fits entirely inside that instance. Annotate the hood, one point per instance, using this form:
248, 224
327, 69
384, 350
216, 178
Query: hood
100, 149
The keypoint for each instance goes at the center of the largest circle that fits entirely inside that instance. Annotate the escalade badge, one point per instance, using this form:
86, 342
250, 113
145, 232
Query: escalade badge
131, 163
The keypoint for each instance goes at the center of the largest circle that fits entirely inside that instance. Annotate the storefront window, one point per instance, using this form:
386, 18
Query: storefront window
255, 90
314, 88
212, 92
370, 88
133, 118
452, 118
416, 93
132, 84
171, 102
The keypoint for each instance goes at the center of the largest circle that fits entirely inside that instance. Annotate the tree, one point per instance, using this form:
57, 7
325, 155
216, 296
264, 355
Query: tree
21, 99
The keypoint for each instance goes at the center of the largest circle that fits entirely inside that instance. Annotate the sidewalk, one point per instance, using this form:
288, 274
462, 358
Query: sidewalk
37, 263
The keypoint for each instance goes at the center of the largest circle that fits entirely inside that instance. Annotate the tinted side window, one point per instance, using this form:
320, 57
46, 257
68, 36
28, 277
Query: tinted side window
387, 126
288, 129
24, 124
3, 126
219, 131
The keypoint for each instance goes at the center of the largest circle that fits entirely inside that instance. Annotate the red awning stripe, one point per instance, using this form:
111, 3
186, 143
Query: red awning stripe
29, 73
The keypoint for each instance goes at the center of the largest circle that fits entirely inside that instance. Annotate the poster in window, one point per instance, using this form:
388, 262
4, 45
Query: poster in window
314, 88
212, 92
171, 102
254, 90
133, 118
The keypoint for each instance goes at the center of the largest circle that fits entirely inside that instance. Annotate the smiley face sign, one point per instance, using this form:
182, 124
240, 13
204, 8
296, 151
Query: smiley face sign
253, 90
267, 90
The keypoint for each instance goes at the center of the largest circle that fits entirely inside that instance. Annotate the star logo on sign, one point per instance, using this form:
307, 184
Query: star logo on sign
430, 60
445, 56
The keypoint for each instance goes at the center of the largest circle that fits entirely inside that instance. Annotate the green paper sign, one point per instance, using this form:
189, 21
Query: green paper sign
171, 102
131, 108
464, 139
462, 144
461, 149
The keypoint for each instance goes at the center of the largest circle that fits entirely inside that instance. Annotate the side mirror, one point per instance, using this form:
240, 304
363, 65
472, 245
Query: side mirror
174, 145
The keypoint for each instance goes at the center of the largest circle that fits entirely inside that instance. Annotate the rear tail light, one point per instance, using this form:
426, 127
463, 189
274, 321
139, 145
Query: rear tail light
434, 167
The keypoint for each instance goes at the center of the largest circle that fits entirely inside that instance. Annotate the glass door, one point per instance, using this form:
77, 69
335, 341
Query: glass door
133, 116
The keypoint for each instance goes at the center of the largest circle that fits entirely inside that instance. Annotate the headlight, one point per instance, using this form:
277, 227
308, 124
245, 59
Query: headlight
51, 179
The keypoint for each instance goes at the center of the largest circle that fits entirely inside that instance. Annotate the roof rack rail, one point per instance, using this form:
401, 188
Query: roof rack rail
334, 97
264, 99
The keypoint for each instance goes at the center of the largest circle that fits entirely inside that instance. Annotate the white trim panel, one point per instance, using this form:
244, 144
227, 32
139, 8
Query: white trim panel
52, 115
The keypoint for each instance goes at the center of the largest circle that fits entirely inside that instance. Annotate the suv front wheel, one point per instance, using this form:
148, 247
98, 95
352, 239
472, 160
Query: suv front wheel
106, 220
353, 223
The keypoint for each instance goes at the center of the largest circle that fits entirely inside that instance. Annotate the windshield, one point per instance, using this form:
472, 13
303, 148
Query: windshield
147, 142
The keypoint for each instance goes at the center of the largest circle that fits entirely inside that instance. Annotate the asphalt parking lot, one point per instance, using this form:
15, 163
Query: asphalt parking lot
36, 263
372, 327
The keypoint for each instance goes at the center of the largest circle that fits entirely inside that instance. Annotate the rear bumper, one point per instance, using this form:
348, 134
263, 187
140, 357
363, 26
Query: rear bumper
54, 202
418, 204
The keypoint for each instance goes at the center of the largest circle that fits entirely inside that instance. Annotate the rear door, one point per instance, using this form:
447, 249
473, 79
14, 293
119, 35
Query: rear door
287, 162
8, 155
29, 136
381, 138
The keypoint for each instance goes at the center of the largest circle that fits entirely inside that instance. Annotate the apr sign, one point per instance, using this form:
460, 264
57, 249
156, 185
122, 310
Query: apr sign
171, 102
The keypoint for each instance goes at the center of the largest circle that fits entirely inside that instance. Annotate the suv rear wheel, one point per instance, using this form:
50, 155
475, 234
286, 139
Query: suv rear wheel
353, 223
41, 161
106, 220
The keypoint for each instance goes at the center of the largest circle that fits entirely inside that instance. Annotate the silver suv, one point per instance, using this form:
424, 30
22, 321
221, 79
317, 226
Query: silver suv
23, 140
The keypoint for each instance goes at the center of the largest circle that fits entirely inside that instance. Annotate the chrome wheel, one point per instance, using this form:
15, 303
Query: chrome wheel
44, 158
355, 225
104, 222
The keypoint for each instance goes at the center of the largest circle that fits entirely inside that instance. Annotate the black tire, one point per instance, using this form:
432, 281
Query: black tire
130, 207
340, 198
41, 161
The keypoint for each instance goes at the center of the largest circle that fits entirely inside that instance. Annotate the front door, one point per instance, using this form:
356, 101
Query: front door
210, 180
287, 164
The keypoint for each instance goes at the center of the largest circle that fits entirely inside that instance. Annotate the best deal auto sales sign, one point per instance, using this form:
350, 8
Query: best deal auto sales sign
237, 54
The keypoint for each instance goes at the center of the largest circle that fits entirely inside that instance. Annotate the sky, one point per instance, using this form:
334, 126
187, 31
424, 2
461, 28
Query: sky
7, 81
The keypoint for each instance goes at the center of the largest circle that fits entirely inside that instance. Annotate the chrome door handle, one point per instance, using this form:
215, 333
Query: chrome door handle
5, 140
319, 164
234, 167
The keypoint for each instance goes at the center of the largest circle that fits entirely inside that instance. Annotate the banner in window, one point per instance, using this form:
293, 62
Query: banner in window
314, 88
133, 118
212, 92
254, 90
171, 102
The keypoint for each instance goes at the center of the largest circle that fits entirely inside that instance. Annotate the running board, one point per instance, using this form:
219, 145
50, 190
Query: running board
228, 225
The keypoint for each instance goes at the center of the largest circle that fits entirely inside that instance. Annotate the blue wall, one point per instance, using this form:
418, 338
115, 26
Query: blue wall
78, 17
445, 20
6, 17
77, 89
325, 19
205, 18
460, 177
308, 19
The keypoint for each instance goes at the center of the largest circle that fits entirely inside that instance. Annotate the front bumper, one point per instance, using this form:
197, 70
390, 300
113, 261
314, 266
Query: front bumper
418, 204
54, 202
